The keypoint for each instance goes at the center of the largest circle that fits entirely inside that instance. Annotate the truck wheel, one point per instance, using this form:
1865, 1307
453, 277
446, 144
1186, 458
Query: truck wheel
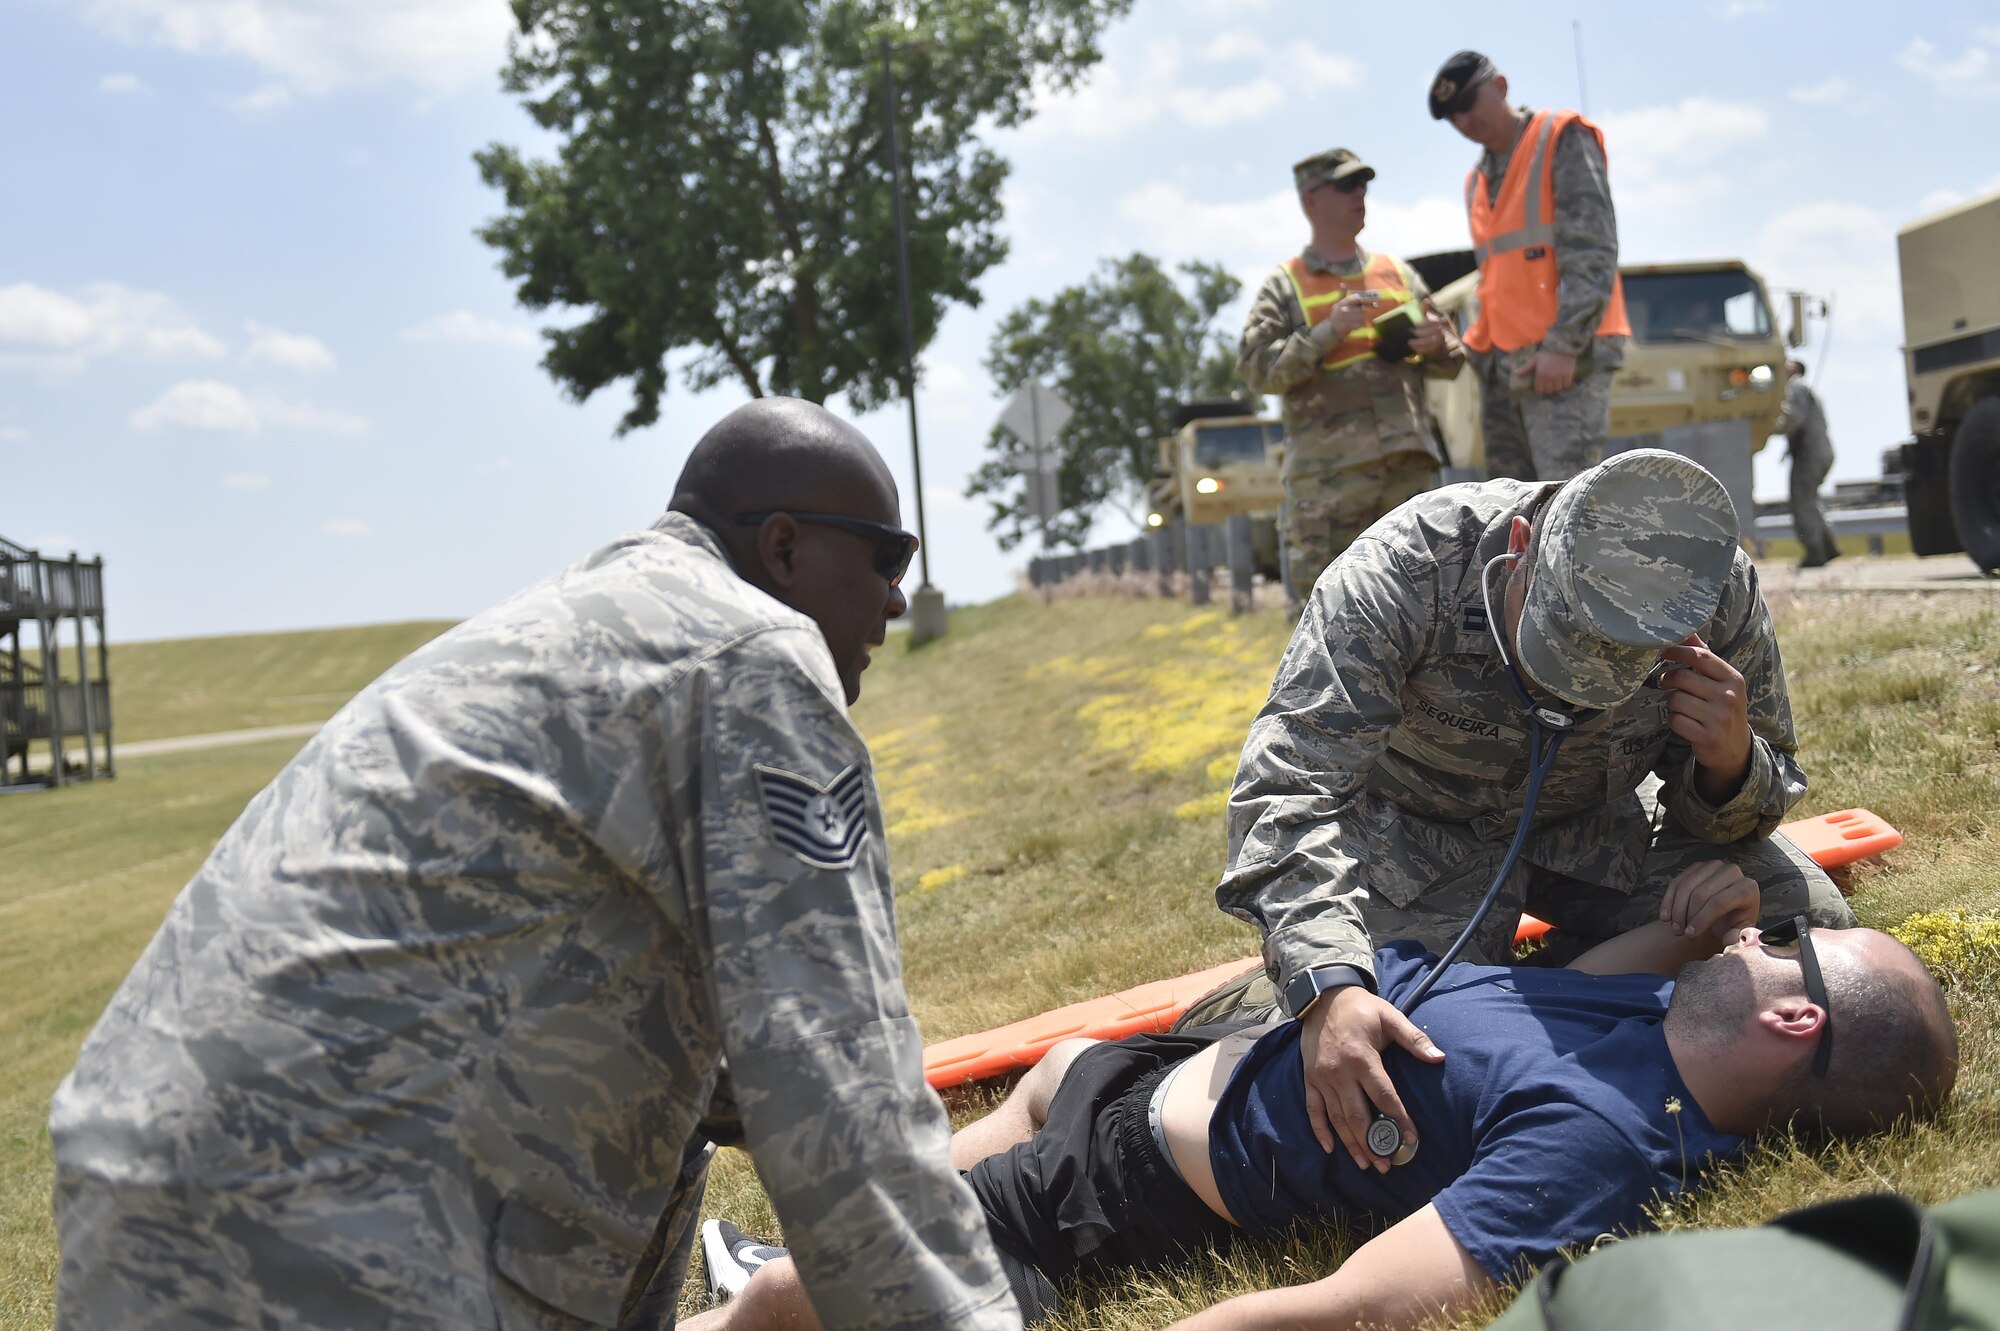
1975, 483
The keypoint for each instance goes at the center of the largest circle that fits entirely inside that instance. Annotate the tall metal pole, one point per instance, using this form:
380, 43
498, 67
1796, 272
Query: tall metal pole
903, 293
1582, 93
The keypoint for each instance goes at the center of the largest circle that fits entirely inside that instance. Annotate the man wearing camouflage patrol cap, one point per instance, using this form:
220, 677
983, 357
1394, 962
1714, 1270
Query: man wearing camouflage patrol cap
439, 1034
1357, 432
1382, 782
1551, 324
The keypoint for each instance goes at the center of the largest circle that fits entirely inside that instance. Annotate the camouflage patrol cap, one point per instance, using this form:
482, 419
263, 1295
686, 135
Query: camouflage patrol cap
1329, 166
1629, 557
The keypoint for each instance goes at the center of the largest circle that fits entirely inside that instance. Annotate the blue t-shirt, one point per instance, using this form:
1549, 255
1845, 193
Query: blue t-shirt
1555, 1117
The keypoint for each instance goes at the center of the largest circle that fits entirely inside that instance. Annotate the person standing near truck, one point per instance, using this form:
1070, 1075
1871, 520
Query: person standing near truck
1357, 432
1551, 327
1803, 423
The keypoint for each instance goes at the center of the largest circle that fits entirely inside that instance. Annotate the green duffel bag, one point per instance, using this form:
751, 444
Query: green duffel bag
1868, 1263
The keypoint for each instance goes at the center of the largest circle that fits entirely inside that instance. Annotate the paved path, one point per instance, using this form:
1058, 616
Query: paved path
1880, 573
219, 739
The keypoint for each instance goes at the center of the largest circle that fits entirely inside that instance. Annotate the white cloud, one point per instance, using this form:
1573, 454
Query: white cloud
1970, 74
13, 434
316, 46
1735, 9
120, 84
343, 527
1845, 252
465, 326
1249, 236
295, 351
1658, 154
198, 404
218, 408
1822, 93
276, 414
1195, 88
44, 329
246, 480
267, 97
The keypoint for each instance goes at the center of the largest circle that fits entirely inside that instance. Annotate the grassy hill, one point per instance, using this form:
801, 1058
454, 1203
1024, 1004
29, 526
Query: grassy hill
1052, 776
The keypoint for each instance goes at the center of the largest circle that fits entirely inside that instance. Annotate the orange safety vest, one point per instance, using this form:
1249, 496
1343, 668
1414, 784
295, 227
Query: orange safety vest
1514, 239
1318, 293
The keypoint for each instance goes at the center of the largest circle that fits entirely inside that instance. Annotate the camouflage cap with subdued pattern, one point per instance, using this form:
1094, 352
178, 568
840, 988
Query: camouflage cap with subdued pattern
1329, 166
1629, 557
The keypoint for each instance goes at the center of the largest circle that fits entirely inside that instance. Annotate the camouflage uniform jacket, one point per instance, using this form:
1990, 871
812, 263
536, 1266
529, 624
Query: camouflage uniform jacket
1348, 417
1392, 750
427, 1040
1586, 239
1802, 421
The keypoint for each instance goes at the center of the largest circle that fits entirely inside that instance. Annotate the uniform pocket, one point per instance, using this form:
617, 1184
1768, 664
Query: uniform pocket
563, 1263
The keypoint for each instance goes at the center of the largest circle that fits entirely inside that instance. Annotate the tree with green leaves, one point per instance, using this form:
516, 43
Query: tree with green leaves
1123, 349
721, 187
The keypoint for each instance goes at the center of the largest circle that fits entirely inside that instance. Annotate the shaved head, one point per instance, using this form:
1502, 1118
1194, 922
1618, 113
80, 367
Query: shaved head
780, 453
764, 479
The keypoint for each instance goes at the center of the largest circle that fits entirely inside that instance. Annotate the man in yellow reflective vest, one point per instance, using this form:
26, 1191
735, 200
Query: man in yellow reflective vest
1358, 438
1550, 329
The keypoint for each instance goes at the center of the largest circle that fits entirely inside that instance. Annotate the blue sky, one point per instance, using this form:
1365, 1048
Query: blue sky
251, 352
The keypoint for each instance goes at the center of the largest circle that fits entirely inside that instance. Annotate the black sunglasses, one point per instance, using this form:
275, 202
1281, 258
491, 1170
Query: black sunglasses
1795, 938
1349, 184
894, 547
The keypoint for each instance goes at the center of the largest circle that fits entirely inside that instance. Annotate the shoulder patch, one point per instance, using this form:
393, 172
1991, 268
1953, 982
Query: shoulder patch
824, 826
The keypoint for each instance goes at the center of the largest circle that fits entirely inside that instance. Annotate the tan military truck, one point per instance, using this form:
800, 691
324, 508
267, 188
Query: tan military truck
1221, 460
1703, 373
1950, 265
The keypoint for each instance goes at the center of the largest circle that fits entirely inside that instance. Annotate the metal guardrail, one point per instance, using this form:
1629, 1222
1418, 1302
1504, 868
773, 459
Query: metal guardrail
1887, 520
1166, 553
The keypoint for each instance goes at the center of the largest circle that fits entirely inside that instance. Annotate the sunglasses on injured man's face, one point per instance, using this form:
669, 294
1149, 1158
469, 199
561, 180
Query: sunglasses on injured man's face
894, 547
1794, 939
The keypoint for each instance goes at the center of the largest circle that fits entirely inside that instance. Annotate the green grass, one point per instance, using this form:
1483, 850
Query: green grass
1051, 775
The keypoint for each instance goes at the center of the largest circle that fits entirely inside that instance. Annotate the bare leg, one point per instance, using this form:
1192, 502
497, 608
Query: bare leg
1025, 1110
774, 1300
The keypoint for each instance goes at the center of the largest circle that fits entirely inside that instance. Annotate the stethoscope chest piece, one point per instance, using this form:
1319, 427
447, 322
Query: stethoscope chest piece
1385, 1141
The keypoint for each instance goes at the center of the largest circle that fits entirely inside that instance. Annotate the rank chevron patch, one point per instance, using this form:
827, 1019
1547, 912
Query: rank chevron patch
822, 825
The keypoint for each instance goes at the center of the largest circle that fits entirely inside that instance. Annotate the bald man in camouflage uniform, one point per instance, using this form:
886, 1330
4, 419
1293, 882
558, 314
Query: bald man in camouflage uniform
1545, 408
1380, 785
1358, 437
436, 1036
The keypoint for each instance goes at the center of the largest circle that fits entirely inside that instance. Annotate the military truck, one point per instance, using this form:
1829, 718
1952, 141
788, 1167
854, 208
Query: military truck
1221, 460
1950, 264
1704, 353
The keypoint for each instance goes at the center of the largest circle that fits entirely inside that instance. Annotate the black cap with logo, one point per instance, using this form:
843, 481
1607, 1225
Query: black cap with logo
1457, 80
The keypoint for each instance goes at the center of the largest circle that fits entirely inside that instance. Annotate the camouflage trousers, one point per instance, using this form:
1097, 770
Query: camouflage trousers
1809, 469
1325, 510
1583, 914
1534, 438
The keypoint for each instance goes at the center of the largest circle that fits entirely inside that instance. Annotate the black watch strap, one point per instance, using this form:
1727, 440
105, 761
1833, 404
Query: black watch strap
1309, 985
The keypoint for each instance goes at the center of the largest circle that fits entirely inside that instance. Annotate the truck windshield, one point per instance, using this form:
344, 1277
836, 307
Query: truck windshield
1694, 307
1220, 445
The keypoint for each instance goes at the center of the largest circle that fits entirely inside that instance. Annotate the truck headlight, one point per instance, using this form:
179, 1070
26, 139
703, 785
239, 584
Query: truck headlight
1762, 377
1207, 485
1155, 520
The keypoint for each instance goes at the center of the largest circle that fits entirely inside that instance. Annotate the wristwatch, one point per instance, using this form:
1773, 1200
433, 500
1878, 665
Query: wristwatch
1309, 985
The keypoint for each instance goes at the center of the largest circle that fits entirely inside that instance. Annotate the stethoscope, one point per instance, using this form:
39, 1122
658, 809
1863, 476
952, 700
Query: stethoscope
1547, 728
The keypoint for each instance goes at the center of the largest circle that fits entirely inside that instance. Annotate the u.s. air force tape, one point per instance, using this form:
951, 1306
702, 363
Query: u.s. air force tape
822, 825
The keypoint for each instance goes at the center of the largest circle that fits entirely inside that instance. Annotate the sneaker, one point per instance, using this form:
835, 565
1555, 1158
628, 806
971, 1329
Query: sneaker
731, 1258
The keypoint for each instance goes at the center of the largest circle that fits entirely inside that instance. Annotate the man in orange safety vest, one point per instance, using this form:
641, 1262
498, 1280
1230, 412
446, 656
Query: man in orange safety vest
1358, 437
1550, 328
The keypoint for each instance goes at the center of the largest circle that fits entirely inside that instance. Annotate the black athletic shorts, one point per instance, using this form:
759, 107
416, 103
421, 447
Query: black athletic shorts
1091, 1192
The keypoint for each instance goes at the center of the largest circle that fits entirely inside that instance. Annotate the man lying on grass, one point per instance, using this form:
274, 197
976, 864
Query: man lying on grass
1568, 1099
